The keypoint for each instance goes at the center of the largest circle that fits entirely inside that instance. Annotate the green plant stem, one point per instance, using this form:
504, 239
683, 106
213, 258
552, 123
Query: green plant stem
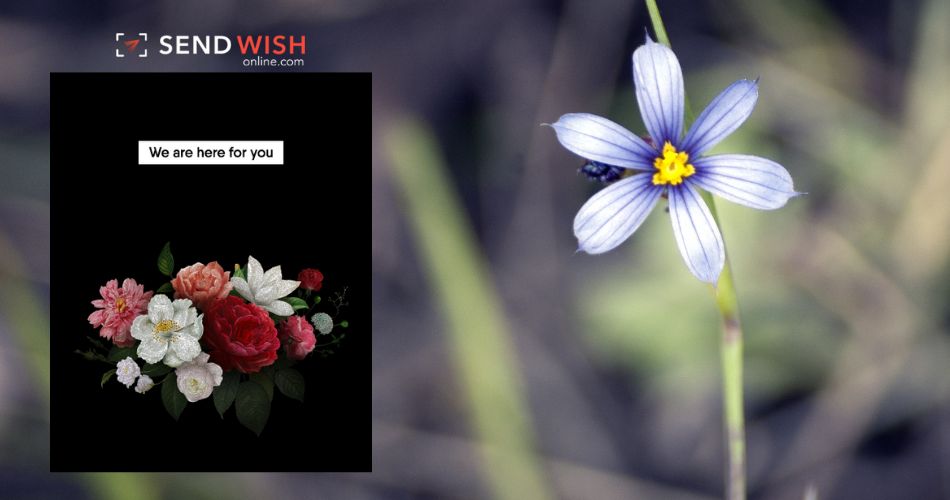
477, 332
731, 347
732, 392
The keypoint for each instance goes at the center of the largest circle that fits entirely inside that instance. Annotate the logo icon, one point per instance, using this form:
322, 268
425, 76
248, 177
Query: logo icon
131, 46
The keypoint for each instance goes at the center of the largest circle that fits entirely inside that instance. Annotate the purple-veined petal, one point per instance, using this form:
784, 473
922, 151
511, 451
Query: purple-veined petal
599, 139
745, 179
659, 83
724, 114
614, 213
697, 235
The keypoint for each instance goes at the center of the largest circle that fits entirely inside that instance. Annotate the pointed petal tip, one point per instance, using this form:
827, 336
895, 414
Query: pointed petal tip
597, 138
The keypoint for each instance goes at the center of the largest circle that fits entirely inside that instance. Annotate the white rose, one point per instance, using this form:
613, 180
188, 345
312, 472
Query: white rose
197, 378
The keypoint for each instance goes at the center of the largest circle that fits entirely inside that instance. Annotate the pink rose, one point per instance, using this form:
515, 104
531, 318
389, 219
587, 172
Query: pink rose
202, 284
296, 335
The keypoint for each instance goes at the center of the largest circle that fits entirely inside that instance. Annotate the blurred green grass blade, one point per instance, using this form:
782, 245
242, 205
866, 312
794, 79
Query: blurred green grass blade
23, 310
30, 327
476, 329
121, 486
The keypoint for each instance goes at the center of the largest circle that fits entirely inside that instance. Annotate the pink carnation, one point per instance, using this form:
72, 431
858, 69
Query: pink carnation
117, 308
296, 335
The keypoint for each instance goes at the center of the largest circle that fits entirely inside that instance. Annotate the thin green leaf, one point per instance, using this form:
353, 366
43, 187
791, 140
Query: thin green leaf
97, 343
91, 355
166, 263
106, 376
166, 288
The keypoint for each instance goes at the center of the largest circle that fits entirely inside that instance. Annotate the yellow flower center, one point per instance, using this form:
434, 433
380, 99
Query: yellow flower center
165, 326
120, 305
672, 166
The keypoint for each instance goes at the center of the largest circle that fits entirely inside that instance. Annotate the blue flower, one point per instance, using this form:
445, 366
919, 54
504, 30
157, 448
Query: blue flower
672, 165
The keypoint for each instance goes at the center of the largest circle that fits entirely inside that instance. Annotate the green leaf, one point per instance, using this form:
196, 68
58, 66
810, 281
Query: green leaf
166, 263
283, 361
97, 343
223, 394
344, 324
117, 354
166, 288
106, 376
156, 369
91, 355
266, 382
291, 383
173, 399
296, 303
239, 272
252, 406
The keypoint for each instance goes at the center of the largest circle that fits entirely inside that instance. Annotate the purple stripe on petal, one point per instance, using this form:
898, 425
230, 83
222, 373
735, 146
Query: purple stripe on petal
614, 213
745, 179
724, 115
599, 139
659, 84
697, 235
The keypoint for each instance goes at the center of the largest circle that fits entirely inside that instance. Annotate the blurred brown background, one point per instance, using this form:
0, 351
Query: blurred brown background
506, 365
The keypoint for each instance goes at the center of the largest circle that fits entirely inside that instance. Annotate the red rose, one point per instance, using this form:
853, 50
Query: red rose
310, 279
241, 336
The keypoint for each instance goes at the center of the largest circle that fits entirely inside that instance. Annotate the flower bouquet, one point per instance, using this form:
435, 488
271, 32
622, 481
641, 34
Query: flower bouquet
231, 336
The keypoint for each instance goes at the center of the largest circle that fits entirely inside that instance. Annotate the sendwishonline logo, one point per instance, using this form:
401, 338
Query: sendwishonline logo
256, 50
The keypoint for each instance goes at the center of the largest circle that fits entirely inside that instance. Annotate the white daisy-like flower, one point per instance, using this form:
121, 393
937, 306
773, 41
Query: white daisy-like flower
265, 289
144, 384
126, 371
323, 322
169, 332
197, 378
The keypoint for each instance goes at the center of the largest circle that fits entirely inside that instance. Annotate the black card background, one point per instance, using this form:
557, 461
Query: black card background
110, 218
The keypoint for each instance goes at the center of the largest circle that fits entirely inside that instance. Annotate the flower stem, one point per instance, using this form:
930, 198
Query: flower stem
731, 353
731, 348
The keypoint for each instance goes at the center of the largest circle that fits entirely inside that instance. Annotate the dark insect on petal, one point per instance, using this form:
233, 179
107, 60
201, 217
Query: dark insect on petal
597, 171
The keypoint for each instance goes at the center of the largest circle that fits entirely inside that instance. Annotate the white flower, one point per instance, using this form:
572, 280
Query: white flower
126, 371
197, 378
323, 322
145, 383
265, 289
169, 332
